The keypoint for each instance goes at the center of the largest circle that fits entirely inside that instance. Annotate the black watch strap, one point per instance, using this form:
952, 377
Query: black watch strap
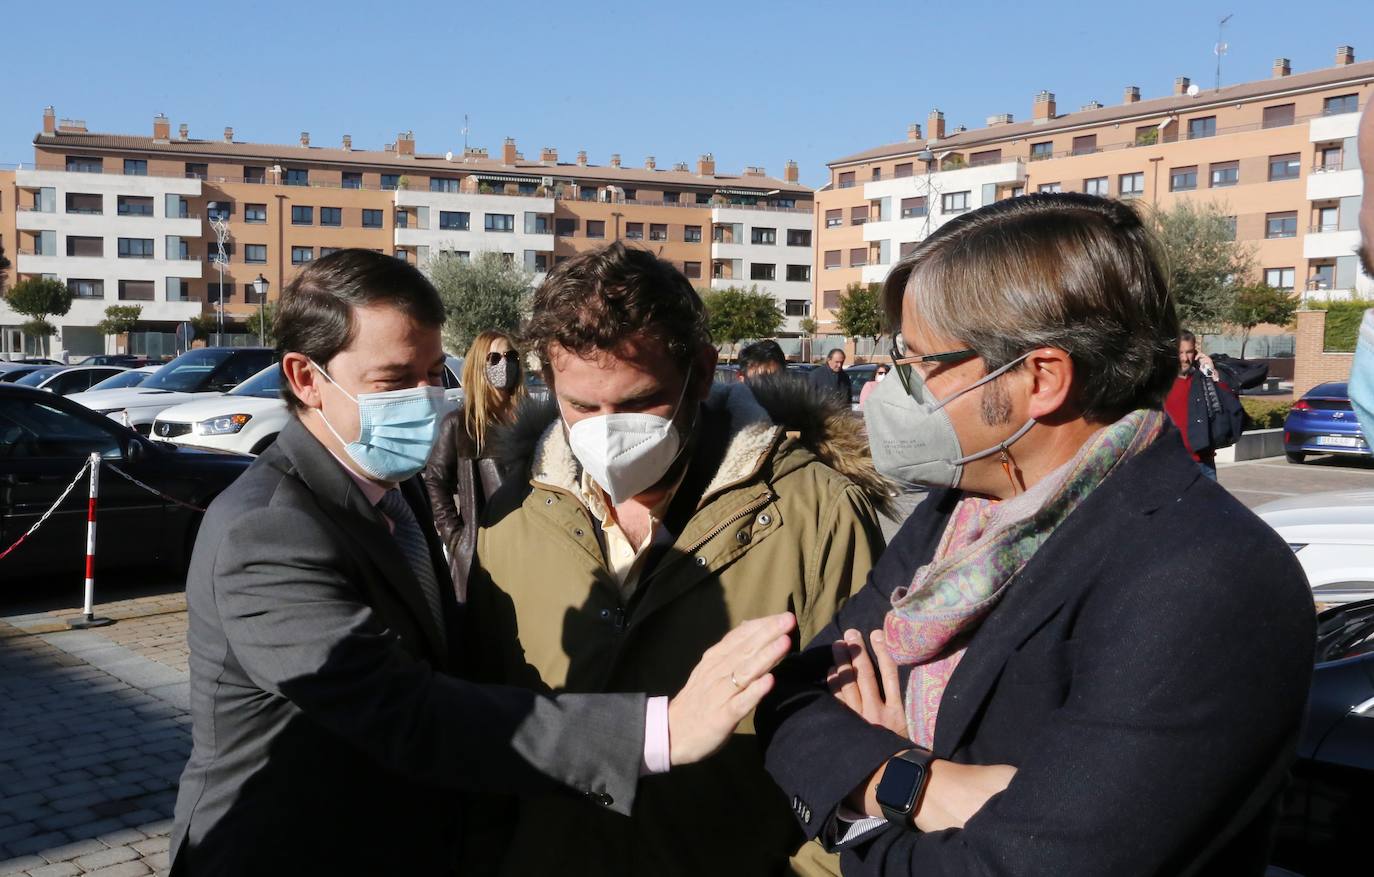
899, 812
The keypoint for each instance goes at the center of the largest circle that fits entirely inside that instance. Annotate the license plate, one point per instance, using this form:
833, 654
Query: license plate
1340, 441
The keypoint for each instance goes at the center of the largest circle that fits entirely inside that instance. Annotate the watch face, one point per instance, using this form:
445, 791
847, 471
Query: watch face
900, 782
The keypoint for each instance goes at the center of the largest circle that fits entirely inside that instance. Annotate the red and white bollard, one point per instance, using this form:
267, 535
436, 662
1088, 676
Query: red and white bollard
88, 617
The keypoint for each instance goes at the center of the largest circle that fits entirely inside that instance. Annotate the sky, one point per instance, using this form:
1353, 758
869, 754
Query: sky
753, 83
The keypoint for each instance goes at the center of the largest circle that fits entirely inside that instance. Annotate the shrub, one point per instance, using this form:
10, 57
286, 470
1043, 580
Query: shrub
1342, 322
1265, 414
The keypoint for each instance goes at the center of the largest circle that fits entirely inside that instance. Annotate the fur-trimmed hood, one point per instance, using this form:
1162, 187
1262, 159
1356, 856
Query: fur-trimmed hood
763, 416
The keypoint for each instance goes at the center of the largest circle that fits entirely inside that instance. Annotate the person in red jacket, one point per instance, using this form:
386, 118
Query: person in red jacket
1193, 365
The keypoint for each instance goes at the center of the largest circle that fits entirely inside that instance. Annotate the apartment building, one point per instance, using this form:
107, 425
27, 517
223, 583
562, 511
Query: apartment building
139, 219
1279, 153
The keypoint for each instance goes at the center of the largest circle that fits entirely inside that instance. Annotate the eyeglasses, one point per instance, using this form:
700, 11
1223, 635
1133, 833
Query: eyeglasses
494, 358
903, 359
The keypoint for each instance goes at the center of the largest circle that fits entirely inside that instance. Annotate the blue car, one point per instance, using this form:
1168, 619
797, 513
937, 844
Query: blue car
1323, 422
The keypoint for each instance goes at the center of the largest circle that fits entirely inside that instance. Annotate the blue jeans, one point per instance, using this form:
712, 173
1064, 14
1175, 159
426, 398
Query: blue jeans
1209, 468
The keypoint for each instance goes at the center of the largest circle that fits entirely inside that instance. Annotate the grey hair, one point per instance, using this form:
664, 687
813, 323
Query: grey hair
1073, 272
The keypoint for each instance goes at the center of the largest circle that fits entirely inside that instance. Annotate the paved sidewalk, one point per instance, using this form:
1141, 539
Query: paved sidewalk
94, 731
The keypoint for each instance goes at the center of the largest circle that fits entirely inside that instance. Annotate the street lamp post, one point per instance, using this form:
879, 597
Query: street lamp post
221, 230
260, 287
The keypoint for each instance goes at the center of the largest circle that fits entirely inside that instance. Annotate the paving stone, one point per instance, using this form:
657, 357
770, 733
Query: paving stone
126, 869
156, 829
67, 852
122, 837
97, 828
151, 845
61, 869
21, 864
70, 819
158, 861
37, 842
17, 832
106, 857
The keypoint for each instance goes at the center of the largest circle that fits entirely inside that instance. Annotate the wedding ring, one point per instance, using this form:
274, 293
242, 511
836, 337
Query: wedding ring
734, 681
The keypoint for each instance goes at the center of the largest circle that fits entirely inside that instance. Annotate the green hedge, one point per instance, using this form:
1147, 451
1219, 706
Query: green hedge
1265, 414
1342, 322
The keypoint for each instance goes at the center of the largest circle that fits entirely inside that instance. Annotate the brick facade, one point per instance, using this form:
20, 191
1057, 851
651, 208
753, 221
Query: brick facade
1313, 365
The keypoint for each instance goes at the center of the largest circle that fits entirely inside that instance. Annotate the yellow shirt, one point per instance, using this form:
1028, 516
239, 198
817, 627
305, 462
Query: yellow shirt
623, 558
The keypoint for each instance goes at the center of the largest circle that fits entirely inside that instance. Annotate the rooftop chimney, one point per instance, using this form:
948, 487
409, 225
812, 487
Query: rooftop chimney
789, 172
935, 125
162, 128
706, 165
1090, 105
548, 155
615, 159
752, 171
305, 139
680, 167
1181, 85
1131, 95
913, 131
348, 143
1282, 67
650, 164
1043, 108
581, 158
49, 120
405, 143
508, 151
1345, 56
999, 119
183, 131
229, 135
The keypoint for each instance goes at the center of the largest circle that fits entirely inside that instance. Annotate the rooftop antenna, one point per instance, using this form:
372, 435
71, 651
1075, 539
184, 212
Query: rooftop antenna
1220, 48
465, 133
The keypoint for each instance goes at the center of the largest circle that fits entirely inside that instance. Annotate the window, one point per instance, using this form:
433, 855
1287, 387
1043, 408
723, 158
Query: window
86, 288
254, 174
325, 251
1085, 145
220, 210
352, 180
1328, 219
1050, 187
135, 167
443, 184
255, 213
691, 234
907, 248
1206, 126
901, 170
692, 270
85, 247
135, 248
834, 218
1097, 186
1182, 179
830, 299
986, 157
331, 216
762, 271
1279, 278
760, 235
1278, 116
564, 227
196, 170
81, 164
1042, 150
634, 231
219, 293
913, 207
1281, 225
301, 255
846, 180
797, 307
596, 228
1342, 103
302, 215
452, 220
297, 176
798, 273
658, 231
136, 290
702, 197
178, 248
858, 256
90, 205
255, 254
212, 251
1132, 185
390, 182
1230, 227
832, 259
1285, 167
668, 197
373, 218
954, 202
1224, 173
500, 221
799, 237
858, 215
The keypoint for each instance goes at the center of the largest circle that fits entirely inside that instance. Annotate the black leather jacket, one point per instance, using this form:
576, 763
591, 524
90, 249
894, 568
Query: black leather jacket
459, 483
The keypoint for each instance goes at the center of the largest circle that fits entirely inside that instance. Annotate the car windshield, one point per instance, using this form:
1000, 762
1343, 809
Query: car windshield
38, 376
122, 380
266, 384
187, 373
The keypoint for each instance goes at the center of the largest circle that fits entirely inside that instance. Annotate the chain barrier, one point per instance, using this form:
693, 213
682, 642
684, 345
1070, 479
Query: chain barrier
153, 490
38, 523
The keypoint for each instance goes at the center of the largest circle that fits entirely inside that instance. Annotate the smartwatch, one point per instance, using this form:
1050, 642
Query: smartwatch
904, 780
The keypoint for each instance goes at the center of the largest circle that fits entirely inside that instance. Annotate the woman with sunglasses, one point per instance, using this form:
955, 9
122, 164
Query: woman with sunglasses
462, 473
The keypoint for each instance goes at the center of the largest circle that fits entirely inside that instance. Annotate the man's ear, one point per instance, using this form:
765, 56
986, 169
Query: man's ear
1050, 373
302, 378
704, 371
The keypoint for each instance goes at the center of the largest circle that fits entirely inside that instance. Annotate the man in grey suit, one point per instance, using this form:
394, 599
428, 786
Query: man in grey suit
332, 731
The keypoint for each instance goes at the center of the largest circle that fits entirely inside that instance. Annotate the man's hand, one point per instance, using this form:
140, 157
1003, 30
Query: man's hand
1205, 365
729, 681
855, 683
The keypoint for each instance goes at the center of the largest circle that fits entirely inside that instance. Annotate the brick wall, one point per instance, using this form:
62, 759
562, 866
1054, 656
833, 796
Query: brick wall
1312, 364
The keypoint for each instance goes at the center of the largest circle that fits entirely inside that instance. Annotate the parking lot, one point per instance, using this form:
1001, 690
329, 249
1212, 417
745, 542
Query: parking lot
1255, 482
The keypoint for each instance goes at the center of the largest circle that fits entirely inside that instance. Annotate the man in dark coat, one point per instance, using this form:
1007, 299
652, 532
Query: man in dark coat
832, 377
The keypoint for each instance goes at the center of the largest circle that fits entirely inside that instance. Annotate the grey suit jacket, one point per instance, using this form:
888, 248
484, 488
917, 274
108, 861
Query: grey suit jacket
331, 731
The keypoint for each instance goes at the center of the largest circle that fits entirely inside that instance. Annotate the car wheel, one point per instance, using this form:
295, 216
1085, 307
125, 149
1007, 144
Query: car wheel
264, 444
1295, 456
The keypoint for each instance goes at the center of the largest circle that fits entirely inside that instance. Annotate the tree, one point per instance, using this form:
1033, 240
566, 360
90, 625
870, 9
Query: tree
808, 326
203, 326
1258, 303
38, 298
735, 313
264, 325
488, 291
119, 319
1203, 262
860, 314
4, 267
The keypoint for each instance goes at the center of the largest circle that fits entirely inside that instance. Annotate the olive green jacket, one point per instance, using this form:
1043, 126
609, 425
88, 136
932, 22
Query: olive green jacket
780, 497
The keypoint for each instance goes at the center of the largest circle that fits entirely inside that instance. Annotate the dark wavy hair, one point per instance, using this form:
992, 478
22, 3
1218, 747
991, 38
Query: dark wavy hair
599, 299
1074, 272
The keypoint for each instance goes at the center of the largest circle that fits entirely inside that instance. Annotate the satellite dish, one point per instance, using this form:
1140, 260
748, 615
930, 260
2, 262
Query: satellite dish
1193, 90
448, 156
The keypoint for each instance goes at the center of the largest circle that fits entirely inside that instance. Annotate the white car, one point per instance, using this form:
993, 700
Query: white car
67, 380
1332, 534
186, 378
125, 379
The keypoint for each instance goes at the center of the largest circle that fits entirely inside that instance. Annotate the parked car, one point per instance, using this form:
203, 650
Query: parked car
65, 380
128, 360
15, 371
203, 370
1328, 809
45, 439
800, 369
1332, 534
125, 379
726, 373
1323, 422
858, 376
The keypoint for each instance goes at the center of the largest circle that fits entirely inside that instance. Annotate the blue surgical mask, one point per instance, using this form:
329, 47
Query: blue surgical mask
396, 429
1361, 387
